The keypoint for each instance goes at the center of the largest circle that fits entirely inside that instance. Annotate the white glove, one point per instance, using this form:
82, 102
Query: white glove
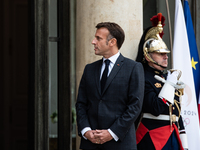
184, 140
172, 77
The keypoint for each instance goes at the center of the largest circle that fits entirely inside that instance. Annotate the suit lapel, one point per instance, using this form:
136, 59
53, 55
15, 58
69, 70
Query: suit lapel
118, 64
97, 75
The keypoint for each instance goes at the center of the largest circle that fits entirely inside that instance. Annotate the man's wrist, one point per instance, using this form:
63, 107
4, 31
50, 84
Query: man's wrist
115, 137
84, 131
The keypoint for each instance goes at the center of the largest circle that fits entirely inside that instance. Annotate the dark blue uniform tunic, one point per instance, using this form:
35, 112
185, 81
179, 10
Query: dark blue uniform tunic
155, 106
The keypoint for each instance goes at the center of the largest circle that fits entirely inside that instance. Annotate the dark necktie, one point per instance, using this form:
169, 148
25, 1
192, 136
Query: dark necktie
105, 74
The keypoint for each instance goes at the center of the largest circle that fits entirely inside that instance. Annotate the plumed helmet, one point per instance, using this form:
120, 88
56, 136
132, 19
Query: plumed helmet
151, 40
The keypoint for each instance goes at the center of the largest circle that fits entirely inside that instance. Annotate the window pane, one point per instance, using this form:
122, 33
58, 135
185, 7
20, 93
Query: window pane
53, 94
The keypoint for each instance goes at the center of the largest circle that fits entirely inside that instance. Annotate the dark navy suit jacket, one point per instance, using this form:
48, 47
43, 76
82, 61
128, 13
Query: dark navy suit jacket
116, 108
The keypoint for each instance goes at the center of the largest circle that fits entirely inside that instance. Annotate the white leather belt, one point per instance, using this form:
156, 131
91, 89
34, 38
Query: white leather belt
160, 117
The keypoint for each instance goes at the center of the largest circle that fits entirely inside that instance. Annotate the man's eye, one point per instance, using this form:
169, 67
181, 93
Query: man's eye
98, 38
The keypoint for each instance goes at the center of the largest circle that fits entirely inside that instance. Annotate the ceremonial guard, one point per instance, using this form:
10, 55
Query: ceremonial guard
160, 126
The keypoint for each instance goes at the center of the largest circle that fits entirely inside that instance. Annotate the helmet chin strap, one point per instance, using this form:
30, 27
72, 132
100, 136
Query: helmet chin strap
159, 65
153, 61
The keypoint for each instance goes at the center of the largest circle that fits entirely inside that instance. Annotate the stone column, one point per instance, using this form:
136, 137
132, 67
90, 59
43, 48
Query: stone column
128, 14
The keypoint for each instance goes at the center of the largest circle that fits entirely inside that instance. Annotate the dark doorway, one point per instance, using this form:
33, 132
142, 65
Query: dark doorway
14, 74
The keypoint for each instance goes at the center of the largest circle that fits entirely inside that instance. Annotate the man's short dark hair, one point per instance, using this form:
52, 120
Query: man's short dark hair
115, 32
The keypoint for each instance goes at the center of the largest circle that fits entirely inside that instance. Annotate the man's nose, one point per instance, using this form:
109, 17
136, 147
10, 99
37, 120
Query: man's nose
165, 56
93, 41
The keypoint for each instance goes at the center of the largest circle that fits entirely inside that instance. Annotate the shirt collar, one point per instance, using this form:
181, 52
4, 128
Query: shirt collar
113, 58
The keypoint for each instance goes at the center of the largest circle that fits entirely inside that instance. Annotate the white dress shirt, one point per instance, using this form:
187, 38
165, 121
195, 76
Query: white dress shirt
112, 59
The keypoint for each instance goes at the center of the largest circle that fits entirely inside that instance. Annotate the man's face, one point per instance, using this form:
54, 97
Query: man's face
101, 45
160, 58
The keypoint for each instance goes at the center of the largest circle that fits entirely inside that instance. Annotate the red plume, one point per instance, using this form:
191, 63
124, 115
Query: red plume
156, 19
159, 16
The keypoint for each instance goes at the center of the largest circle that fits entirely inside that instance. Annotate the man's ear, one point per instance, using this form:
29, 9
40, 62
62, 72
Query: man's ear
113, 41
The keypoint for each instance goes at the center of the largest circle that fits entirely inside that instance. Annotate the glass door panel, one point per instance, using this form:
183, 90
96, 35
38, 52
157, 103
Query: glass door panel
53, 75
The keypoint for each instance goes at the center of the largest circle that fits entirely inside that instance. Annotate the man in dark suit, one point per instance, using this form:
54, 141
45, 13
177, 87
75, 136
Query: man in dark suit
110, 94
